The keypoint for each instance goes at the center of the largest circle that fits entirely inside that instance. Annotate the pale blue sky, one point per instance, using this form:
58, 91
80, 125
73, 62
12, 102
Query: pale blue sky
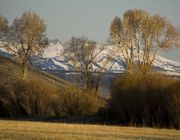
91, 18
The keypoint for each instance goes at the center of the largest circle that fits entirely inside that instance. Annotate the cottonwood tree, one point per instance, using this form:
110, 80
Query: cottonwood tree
3, 30
139, 37
82, 53
119, 38
27, 37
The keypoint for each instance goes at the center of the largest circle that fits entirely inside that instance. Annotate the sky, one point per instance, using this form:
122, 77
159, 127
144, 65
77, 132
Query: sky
91, 18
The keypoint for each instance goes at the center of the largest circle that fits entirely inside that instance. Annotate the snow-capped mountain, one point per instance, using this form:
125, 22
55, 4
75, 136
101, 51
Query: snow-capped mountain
53, 59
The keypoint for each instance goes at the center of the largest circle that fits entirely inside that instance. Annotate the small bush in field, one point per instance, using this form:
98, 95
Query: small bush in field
150, 100
76, 102
26, 97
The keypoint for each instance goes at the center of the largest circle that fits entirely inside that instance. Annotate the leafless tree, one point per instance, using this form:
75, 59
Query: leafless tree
82, 53
139, 37
3, 30
27, 37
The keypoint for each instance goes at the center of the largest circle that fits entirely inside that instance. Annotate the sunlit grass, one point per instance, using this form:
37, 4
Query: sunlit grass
16, 130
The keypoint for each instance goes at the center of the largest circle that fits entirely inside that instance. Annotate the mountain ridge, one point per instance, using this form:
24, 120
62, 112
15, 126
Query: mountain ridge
53, 59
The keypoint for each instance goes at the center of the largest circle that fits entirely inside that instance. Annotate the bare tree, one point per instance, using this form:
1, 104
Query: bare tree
122, 43
3, 30
139, 37
158, 34
27, 37
82, 53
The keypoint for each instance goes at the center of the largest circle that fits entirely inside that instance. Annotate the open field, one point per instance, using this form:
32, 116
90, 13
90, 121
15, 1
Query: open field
18, 130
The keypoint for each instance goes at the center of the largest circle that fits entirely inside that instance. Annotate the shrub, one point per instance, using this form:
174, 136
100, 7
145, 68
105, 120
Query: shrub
174, 103
150, 100
73, 101
35, 97
25, 97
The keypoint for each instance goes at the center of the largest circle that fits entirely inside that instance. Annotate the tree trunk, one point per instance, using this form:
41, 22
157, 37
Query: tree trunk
24, 71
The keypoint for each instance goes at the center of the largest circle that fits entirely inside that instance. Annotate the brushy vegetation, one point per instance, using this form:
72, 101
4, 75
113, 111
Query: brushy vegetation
151, 100
41, 94
26, 97
34, 97
73, 101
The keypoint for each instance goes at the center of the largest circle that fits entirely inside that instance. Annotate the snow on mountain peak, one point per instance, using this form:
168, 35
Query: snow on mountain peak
54, 50
53, 59
58, 62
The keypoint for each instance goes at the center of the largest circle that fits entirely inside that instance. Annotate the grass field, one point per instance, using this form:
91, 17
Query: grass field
24, 130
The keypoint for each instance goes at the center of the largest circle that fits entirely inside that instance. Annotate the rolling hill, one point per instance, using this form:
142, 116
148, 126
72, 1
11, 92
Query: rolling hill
11, 70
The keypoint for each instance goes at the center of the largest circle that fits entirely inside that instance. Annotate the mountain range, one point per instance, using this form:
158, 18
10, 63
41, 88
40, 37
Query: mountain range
53, 59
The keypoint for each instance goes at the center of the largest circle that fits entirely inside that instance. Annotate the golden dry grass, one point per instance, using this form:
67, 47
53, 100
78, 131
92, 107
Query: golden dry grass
23, 130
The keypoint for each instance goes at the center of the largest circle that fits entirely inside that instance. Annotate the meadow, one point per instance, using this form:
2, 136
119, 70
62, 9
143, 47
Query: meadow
26, 130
